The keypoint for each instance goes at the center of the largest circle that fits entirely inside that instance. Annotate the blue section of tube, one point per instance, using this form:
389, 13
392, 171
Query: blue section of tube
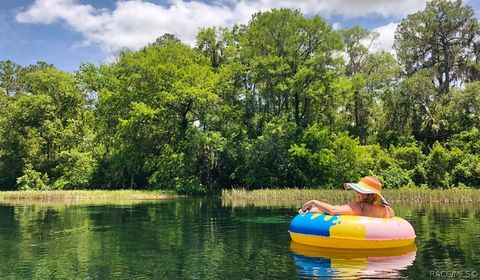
304, 224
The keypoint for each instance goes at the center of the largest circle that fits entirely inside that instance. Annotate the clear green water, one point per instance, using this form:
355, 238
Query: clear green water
205, 239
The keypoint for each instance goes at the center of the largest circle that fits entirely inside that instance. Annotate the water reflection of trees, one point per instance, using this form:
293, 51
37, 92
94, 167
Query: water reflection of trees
198, 238
177, 239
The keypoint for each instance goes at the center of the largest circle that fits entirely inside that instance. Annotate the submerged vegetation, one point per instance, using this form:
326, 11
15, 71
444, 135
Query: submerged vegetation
283, 101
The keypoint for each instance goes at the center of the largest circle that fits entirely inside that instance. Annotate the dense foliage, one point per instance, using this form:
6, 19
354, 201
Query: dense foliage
283, 101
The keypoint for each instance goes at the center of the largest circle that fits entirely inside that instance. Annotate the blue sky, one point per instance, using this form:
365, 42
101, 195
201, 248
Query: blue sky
69, 32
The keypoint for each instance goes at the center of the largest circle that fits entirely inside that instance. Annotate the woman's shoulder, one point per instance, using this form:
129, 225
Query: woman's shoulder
356, 208
384, 211
378, 211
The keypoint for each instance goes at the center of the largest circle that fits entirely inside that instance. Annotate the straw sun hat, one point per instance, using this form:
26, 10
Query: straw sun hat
367, 185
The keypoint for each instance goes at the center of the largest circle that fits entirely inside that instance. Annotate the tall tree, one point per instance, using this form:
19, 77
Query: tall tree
464, 108
10, 74
44, 130
291, 61
211, 43
371, 74
358, 47
443, 37
149, 102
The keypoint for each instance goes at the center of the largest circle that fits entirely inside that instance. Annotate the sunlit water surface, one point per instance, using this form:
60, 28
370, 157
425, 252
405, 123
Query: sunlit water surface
211, 239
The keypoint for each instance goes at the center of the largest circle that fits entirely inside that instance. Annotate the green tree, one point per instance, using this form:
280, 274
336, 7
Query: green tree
467, 171
290, 65
371, 75
358, 47
211, 43
149, 101
10, 76
267, 164
414, 108
443, 37
41, 122
464, 108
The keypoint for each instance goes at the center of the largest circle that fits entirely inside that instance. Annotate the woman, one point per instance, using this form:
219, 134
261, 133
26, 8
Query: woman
369, 202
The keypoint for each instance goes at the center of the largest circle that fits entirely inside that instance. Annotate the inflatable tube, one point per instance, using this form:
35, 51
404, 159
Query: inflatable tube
351, 232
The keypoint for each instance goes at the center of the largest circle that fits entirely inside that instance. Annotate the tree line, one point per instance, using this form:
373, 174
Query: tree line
283, 101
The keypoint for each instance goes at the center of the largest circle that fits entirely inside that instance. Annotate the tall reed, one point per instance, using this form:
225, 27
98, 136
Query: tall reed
76, 195
463, 195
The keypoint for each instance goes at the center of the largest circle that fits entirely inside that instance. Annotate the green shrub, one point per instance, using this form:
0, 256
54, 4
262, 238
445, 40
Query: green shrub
467, 172
266, 163
324, 159
437, 167
76, 169
349, 159
169, 167
375, 161
394, 177
407, 157
467, 141
32, 180
419, 175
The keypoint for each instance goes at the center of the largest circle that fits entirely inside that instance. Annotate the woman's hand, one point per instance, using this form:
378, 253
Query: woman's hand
322, 207
307, 207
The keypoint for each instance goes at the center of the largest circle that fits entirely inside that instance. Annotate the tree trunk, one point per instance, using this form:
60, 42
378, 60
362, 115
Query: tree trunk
297, 108
446, 69
184, 120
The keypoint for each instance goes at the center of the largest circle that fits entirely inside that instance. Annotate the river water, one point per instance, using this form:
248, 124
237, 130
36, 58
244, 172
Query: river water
215, 239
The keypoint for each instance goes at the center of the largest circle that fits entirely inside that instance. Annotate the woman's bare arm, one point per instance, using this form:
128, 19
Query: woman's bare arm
327, 208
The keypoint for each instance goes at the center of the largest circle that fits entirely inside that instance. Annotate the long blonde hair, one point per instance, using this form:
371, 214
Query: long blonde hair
372, 199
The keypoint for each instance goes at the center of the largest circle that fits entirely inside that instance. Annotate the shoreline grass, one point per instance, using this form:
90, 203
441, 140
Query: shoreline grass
453, 195
83, 195
421, 195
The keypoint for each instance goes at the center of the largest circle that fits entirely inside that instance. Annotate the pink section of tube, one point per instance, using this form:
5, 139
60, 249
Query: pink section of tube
388, 229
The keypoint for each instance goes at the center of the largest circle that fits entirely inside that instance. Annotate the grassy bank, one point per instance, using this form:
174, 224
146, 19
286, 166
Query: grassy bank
83, 195
421, 195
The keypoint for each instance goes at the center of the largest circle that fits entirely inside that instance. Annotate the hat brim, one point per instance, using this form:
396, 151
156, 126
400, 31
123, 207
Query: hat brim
363, 188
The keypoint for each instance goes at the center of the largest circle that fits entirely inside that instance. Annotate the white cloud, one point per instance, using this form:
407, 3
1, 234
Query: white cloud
133, 24
336, 26
386, 38
348, 8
